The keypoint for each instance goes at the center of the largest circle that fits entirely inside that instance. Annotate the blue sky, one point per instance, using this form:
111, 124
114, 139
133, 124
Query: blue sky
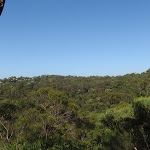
74, 37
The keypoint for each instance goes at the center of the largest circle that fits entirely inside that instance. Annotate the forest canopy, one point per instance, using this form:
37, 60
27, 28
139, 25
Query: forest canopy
75, 113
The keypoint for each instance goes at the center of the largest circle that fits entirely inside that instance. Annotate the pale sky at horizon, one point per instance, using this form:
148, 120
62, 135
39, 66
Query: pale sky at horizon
74, 37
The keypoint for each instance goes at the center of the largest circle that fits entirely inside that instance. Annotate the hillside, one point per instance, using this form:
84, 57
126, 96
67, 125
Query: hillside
75, 113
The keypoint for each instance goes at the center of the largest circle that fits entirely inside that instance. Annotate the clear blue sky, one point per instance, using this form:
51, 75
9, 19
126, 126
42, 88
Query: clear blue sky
74, 37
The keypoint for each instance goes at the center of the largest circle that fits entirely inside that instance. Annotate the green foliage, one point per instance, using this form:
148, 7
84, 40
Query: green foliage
75, 113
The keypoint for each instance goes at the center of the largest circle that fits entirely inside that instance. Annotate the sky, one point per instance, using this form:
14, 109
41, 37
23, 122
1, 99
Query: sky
74, 37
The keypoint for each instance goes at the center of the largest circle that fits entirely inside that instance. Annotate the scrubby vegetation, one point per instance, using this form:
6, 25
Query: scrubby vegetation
75, 113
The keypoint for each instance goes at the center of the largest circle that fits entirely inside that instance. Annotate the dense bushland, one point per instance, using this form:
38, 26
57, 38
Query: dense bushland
75, 113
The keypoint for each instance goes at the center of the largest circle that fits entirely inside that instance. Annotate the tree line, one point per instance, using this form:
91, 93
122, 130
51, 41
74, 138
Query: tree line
75, 113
